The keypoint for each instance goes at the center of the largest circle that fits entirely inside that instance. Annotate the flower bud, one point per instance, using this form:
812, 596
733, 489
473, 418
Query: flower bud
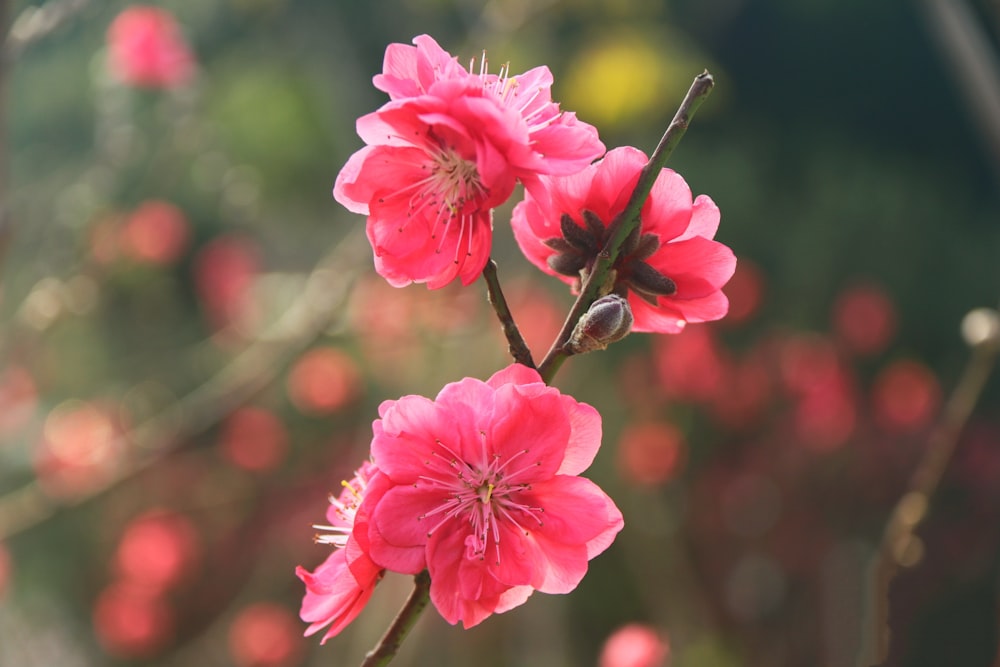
609, 319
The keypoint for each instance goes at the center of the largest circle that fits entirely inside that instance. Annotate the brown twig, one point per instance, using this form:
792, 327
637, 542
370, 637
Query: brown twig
35, 23
626, 222
515, 342
967, 48
900, 547
252, 370
388, 646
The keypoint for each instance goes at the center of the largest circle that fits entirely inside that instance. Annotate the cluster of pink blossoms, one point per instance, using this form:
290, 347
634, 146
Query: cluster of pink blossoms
480, 486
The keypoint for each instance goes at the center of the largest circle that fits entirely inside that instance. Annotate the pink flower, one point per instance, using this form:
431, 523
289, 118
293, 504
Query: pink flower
446, 150
146, 49
483, 490
671, 270
340, 587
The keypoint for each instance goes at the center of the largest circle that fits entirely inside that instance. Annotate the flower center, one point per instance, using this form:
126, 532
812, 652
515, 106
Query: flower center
454, 182
484, 496
577, 249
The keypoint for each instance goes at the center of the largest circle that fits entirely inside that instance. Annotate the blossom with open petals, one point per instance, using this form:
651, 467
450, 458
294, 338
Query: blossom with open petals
483, 490
446, 149
340, 587
146, 48
670, 269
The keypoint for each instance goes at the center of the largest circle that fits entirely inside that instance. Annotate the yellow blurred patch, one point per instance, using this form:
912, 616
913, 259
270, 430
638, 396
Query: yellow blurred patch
630, 76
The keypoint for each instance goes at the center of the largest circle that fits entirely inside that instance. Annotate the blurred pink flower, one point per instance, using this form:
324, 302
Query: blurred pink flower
651, 453
483, 490
905, 396
254, 439
324, 380
146, 49
444, 152
132, 622
340, 587
692, 366
225, 270
635, 645
158, 549
671, 269
81, 448
157, 232
264, 635
864, 318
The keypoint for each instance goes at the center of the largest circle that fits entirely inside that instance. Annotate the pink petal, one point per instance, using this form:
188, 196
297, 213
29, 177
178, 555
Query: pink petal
667, 212
705, 309
697, 265
530, 419
567, 145
584, 439
577, 514
514, 374
666, 318
347, 177
705, 218
405, 436
513, 597
445, 567
614, 181
398, 529
333, 596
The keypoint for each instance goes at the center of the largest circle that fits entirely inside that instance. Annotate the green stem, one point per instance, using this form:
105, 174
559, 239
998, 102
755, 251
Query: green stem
388, 646
515, 342
626, 222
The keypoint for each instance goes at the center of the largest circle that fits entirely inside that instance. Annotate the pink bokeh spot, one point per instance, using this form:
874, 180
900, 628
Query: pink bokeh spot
81, 448
254, 439
677, 238
158, 549
651, 453
635, 645
157, 232
225, 270
906, 396
323, 381
146, 49
264, 635
482, 489
132, 622
864, 318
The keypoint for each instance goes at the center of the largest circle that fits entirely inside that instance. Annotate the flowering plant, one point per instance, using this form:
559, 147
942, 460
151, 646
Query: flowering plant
478, 492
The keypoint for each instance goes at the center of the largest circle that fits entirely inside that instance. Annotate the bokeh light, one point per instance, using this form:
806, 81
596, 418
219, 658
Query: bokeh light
905, 396
254, 439
156, 232
651, 453
635, 645
265, 635
324, 380
132, 622
157, 550
864, 318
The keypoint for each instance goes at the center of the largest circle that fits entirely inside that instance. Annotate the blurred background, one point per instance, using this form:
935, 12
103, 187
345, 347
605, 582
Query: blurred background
194, 345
